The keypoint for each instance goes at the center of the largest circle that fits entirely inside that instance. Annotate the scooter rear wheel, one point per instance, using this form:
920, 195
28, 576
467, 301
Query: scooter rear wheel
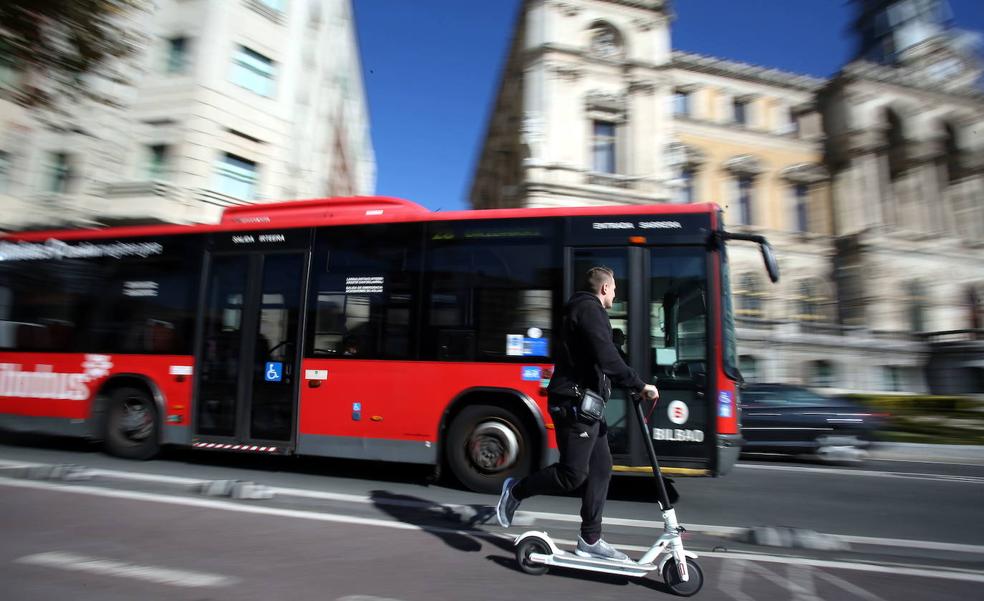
678, 587
525, 549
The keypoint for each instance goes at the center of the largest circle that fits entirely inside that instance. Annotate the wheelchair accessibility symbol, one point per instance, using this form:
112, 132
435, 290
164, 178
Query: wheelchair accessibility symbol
274, 371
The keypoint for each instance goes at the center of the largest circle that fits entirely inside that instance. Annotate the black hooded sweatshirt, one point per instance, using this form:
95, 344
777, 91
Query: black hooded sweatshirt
587, 356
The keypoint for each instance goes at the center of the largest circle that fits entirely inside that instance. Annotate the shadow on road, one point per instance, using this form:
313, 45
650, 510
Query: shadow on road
457, 526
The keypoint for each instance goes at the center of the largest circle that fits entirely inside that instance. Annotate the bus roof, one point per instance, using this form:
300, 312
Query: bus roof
348, 211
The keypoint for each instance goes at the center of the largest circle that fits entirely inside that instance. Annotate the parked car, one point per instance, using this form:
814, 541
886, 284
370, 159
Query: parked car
793, 420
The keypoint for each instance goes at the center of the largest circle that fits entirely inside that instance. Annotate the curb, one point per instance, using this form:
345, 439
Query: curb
911, 451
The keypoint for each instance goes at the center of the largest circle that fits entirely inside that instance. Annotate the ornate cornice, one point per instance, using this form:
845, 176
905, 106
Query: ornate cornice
717, 66
910, 78
656, 5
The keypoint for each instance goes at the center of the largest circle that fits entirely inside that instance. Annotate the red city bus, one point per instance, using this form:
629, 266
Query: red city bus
367, 328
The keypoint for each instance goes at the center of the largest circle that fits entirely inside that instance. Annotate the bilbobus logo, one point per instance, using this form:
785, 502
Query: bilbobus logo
44, 383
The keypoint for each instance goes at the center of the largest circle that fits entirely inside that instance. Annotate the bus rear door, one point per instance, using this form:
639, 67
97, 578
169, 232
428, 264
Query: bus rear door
248, 351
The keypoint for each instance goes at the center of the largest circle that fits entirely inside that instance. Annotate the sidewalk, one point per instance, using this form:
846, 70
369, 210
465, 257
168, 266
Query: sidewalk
906, 451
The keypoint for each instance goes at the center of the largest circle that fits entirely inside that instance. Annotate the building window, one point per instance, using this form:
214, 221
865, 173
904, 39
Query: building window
606, 42
681, 103
745, 199
603, 147
253, 71
60, 174
821, 374
749, 297
740, 108
275, 5
4, 171
917, 306
177, 55
157, 157
801, 192
236, 176
896, 143
792, 122
894, 378
748, 366
685, 191
952, 155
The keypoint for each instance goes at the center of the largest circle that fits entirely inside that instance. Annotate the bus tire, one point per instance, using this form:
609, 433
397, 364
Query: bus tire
487, 444
132, 424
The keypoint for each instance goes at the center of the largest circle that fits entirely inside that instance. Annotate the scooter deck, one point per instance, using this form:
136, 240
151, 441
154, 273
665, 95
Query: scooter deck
607, 566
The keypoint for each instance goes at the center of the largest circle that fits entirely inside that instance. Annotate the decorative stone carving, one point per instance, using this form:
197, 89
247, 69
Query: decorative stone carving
744, 164
680, 154
805, 173
646, 86
568, 9
566, 71
612, 102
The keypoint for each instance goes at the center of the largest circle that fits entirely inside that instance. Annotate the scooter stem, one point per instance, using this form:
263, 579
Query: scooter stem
664, 498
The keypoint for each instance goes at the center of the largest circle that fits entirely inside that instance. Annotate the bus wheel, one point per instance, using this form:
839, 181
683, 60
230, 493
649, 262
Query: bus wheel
487, 444
131, 424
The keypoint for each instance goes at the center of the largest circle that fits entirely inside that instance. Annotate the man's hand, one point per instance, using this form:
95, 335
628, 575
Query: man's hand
649, 391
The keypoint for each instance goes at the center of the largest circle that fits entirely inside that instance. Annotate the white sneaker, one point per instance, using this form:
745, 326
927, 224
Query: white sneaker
599, 550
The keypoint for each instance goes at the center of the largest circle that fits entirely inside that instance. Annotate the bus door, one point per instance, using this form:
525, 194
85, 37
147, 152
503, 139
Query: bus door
249, 351
659, 324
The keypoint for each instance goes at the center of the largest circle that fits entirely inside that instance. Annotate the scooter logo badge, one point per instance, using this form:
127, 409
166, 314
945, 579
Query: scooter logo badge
678, 412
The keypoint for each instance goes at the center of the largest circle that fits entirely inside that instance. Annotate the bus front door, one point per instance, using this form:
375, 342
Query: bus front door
248, 352
659, 326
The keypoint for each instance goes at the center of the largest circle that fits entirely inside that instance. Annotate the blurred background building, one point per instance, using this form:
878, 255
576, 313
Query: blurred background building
231, 102
870, 185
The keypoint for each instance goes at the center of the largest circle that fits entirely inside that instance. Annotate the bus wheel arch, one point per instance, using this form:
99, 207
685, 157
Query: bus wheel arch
127, 416
490, 434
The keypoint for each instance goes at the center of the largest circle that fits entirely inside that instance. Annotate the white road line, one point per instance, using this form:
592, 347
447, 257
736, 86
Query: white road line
528, 515
107, 567
946, 574
867, 473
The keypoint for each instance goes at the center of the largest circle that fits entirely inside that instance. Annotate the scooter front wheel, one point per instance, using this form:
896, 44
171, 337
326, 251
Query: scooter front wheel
677, 586
526, 548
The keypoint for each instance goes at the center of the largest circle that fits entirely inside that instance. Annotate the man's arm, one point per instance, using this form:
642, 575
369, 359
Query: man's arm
597, 332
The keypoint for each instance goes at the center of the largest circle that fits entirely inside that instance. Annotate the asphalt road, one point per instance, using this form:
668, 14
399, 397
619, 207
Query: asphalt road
334, 530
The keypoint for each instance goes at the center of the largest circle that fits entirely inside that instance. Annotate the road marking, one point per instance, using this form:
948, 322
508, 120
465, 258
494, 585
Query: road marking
556, 517
942, 573
866, 473
108, 567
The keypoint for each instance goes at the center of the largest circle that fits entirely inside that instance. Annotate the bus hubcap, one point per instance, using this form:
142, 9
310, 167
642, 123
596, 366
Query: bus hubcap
135, 423
493, 446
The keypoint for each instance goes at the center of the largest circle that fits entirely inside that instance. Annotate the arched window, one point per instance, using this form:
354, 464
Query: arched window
952, 154
895, 139
606, 41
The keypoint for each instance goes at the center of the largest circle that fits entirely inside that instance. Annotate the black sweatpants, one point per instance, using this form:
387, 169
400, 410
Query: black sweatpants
585, 461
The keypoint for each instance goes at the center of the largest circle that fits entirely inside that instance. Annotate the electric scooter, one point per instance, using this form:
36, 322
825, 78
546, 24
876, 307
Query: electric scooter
536, 552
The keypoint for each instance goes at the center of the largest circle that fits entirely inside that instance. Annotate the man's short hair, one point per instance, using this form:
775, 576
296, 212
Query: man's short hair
596, 276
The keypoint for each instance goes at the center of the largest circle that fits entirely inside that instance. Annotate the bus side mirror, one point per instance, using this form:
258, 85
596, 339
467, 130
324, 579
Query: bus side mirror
770, 261
767, 255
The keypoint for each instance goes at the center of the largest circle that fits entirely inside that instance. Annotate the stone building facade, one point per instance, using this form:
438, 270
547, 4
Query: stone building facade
868, 184
231, 102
